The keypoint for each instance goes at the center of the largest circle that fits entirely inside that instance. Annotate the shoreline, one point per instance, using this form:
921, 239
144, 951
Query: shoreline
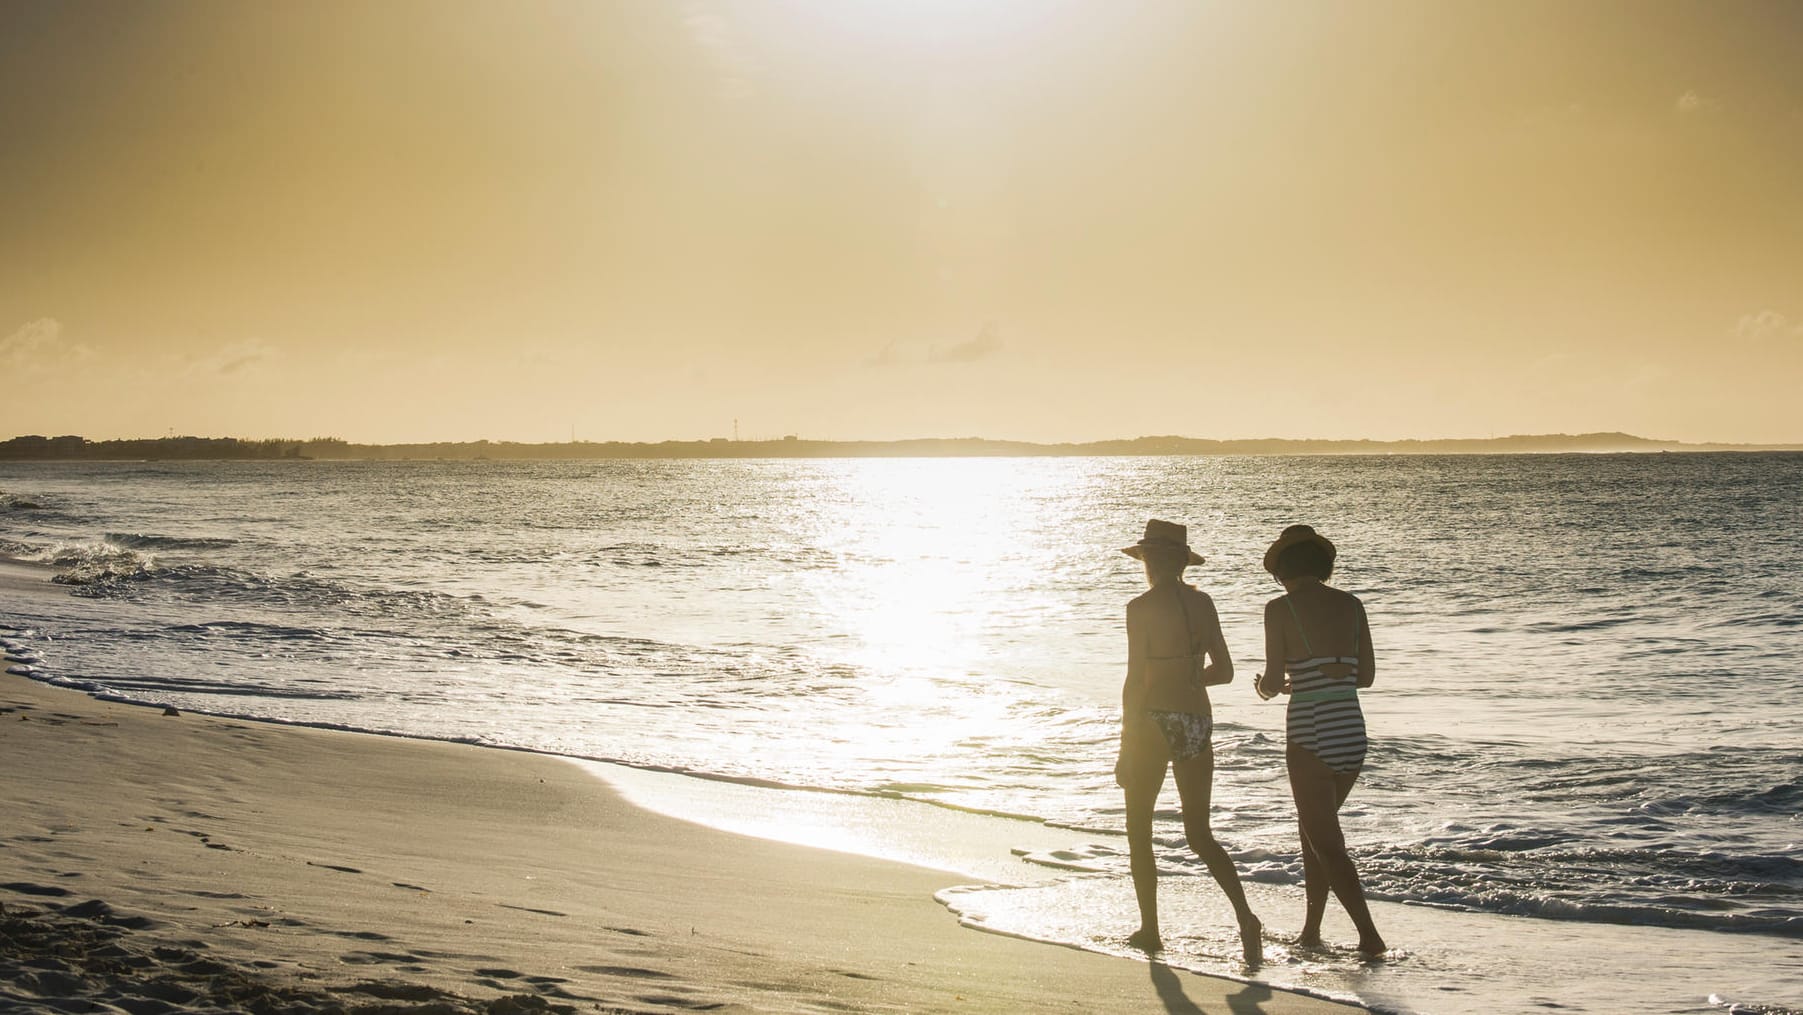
222, 852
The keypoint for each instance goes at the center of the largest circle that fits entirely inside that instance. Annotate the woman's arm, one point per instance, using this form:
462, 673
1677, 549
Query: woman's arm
1133, 702
1133, 688
1220, 662
1271, 682
1367, 659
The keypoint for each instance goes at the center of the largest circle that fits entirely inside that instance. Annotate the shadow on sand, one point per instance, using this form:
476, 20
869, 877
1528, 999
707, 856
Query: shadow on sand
1249, 1000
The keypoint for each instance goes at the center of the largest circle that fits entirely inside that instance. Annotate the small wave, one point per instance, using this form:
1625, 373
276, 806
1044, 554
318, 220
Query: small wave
1578, 627
277, 632
1660, 885
1784, 619
1650, 863
134, 691
225, 585
1783, 798
1749, 1008
85, 564
13, 502
1511, 903
1498, 840
142, 541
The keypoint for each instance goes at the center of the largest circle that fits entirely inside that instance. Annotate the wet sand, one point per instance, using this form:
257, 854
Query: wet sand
181, 863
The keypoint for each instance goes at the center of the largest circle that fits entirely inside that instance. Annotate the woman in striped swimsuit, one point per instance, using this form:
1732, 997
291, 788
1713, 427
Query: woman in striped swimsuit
1323, 641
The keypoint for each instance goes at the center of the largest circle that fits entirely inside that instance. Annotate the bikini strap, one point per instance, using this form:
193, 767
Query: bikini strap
1287, 601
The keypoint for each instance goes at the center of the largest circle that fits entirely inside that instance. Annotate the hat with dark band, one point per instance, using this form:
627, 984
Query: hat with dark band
1163, 536
1296, 535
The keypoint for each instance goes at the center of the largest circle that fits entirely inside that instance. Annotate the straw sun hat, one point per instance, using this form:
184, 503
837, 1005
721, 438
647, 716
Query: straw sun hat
1163, 535
1294, 536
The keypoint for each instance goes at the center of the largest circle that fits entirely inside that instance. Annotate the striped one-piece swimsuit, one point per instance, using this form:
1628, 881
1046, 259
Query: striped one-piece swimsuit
1324, 715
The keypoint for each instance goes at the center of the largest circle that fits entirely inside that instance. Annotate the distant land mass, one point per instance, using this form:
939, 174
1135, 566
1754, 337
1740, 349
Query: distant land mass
37, 448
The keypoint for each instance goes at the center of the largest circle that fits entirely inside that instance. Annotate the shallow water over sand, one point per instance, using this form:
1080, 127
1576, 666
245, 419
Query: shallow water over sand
1589, 667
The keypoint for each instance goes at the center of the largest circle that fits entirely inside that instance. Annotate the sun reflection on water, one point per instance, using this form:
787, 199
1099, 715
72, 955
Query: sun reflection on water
924, 545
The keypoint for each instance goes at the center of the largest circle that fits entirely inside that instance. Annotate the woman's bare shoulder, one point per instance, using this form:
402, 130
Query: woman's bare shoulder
1201, 598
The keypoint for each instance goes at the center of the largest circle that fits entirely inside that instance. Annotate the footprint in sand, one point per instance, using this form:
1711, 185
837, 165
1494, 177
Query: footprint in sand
26, 888
94, 909
529, 909
636, 972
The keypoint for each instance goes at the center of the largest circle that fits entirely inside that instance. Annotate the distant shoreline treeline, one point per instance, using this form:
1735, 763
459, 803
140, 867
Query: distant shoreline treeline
36, 448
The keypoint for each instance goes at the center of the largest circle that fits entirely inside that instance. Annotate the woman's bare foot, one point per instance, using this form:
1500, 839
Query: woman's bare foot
1146, 939
1310, 939
1252, 941
1372, 947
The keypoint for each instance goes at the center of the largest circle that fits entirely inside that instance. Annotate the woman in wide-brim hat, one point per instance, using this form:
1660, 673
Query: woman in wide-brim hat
1318, 651
1174, 653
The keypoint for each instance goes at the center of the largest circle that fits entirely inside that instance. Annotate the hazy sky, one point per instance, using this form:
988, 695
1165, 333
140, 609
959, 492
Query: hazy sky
893, 218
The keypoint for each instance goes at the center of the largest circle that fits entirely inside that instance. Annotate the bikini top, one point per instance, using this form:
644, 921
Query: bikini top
1308, 682
1174, 682
1189, 633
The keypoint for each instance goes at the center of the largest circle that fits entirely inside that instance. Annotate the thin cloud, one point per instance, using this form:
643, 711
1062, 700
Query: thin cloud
888, 356
1692, 104
732, 59
987, 343
1768, 326
40, 345
235, 358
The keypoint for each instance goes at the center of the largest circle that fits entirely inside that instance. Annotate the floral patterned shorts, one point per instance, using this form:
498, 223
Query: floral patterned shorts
1185, 733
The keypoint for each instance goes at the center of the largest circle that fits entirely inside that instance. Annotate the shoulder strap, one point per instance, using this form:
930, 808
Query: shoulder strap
1287, 601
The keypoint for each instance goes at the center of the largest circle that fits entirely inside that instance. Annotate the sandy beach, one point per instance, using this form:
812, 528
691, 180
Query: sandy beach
185, 863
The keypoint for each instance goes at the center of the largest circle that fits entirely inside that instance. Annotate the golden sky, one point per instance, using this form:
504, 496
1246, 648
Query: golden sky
878, 219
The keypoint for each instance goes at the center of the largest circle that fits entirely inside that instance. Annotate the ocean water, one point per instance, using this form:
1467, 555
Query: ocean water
1586, 773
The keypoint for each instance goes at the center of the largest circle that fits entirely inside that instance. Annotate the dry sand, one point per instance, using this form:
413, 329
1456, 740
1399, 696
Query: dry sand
183, 864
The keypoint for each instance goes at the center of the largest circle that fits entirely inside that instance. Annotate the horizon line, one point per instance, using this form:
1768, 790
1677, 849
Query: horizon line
67, 447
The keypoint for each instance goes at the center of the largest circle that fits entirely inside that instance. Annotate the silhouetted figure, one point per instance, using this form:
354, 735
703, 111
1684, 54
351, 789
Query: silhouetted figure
1318, 651
1174, 651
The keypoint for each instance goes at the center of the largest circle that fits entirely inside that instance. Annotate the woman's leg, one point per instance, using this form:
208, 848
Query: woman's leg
1319, 791
1195, 787
1315, 885
1315, 890
1144, 757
